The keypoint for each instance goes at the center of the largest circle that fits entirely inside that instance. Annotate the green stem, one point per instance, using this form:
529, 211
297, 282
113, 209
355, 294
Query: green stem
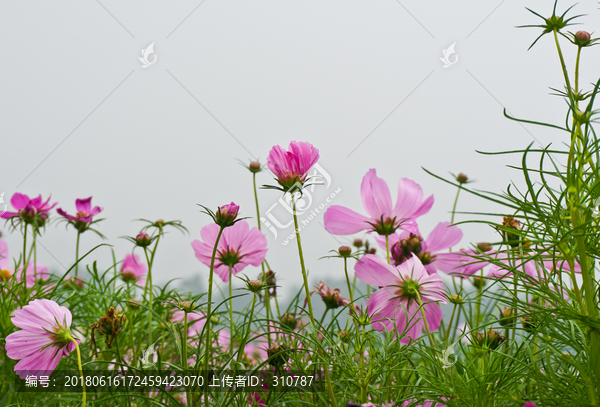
454, 206
209, 308
231, 335
80, 370
188, 394
25, 263
308, 301
387, 247
247, 334
450, 323
77, 254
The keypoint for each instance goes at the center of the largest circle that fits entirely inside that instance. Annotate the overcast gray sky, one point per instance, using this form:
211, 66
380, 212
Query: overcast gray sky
360, 80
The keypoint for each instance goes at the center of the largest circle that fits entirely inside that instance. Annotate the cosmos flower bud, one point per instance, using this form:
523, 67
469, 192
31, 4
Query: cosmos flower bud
187, 306
489, 339
227, 214
512, 224
456, 299
255, 285
507, 317
159, 221
345, 336
478, 282
484, 246
332, 298
462, 178
278, 355
345, 251
74, 283
372, 250
289, 320
529, 324
254, 167
582, 38
143, 239
358, 243
133, 304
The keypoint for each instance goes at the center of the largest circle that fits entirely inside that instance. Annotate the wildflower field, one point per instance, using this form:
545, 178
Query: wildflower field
523, 328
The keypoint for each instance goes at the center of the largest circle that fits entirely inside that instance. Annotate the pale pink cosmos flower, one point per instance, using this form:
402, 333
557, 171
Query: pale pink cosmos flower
293, 165
238, 247
529, 404
427, 403
44, 336
85, 212
29, 208
384, 217
429, 251
396, 305
133, 269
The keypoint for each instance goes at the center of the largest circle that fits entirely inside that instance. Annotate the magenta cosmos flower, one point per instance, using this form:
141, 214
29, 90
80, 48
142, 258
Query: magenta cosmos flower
384, 218
402, 288
44, 338
429, 251
238, 247
292, 166
85, 213
29, 210
133, 269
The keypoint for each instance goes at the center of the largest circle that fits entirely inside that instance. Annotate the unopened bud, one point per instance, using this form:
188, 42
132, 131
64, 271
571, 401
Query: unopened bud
456, 299
143, 239
186, 306
254, 167
462, 178
484, 246
345, 251
4, 274
277, 355
255, 285
345, 336
507, 317
289, 320
133, 304
582, 38
529, 324
160, 221
478, 282
372, 250
358, 243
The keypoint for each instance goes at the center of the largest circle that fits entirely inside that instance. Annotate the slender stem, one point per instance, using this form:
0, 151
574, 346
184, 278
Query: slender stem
80, 370
308, 301
24, 265
450, 323
454, 206
387, 247
184, 362
209, 308
34, 256
247, 334
231, 335
77, 254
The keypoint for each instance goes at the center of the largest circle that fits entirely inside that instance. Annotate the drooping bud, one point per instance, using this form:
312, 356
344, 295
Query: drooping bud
507, 317
358, 243
227, 214
345, 251
289, 320
143, 239
332, 298
254, 167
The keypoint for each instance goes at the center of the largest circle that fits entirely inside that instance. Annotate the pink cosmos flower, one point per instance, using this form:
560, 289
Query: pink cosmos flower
427, 403
238, 247
292, 166
85, 212
227, 214
44, 337
429, 251
529, 404
133, 269
29, 209
384, 218
396, 304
